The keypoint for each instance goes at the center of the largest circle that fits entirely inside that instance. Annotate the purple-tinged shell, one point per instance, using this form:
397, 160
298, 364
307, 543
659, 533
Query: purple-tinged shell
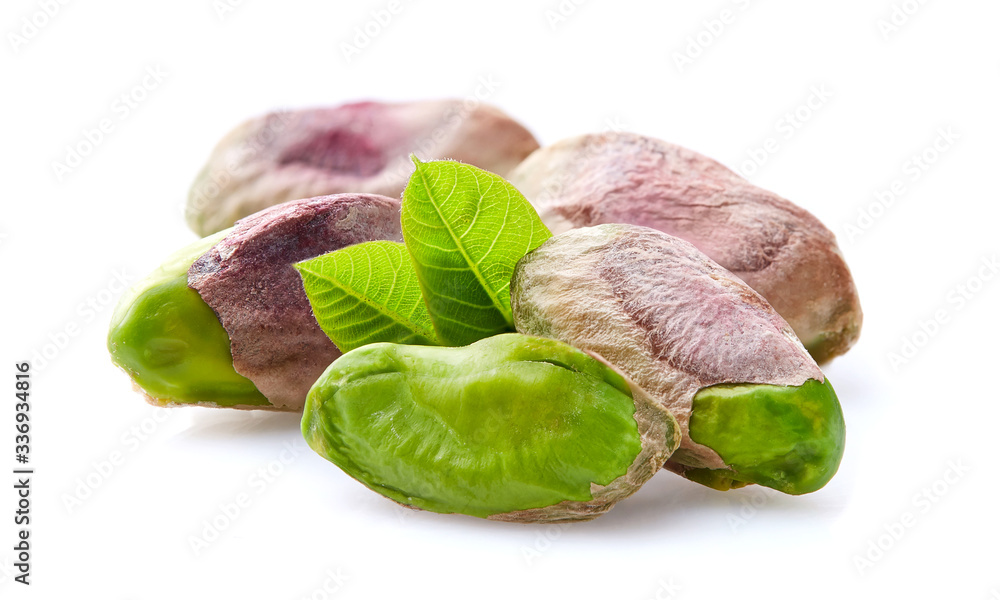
781, 250
660, 311
248, 280
356, 148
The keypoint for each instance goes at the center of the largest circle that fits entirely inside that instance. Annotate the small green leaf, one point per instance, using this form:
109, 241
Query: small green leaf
367, 293
465, 229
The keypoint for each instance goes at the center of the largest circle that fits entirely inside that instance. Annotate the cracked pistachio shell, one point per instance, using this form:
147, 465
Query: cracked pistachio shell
510, 428
360, 147
780, 250
752, 404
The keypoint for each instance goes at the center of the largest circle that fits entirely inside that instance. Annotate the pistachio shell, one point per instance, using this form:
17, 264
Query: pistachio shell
268, 348
669, 318
362, 147
779, 249
248, 279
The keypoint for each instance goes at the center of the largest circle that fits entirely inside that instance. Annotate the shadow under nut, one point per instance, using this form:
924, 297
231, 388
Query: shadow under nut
361, 147
779, 249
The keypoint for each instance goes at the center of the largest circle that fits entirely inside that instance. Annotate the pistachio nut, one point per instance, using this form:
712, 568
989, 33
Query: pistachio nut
752, 404
511, 428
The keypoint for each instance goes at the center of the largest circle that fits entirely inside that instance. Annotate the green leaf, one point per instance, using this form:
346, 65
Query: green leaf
465, 229
367, 293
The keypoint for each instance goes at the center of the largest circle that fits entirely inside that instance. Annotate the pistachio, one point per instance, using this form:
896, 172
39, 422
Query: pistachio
511, 428
226, 321
752, 404
779, 249
361, 147
171, 343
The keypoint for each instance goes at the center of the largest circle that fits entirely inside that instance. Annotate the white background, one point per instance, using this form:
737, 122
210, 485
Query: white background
608, 64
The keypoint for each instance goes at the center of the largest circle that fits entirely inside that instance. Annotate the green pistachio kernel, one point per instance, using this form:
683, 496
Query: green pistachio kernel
171, 343
790, 438
511, 427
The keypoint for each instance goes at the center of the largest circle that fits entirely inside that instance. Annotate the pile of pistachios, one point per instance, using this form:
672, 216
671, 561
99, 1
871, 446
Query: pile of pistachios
473, 324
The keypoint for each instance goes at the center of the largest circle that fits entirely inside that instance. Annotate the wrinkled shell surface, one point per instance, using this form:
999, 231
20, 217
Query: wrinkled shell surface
248, 280
779, 249
355, 148
660, 311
